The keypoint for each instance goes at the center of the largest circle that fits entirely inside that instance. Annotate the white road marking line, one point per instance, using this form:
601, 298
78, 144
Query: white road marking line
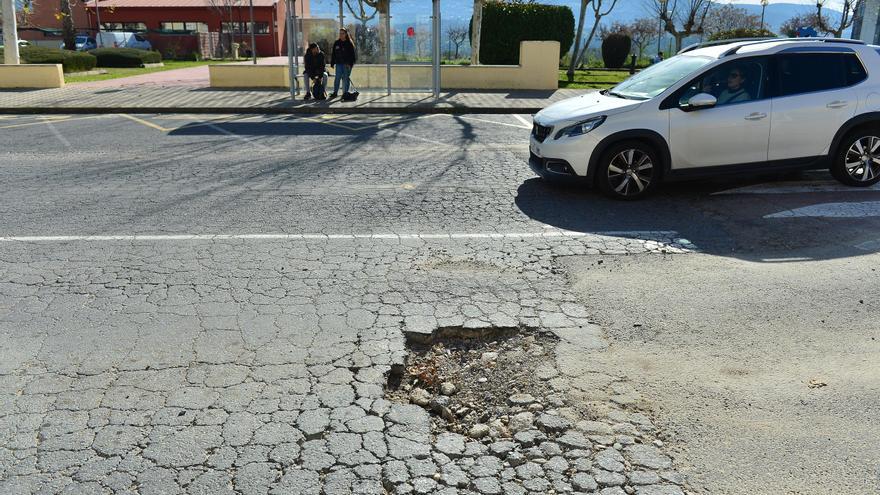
57, 134
523, 120
797, 187
649, 237
871, 246
832, 210
477, 119
239, 137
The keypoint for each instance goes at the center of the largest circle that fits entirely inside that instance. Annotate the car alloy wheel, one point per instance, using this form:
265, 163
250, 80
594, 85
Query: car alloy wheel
630, 172
862, 160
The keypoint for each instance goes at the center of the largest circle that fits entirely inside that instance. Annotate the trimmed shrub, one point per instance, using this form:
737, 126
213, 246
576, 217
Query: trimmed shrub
70, 61
506, 24
125, 57
615, 48
741, 33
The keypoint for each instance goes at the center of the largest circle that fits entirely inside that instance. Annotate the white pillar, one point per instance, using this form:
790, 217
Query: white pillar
292, 66
388, 49
10, 33
435, 47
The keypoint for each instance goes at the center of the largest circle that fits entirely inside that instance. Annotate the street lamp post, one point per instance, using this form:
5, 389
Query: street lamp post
98, 42
764, 4
253, 36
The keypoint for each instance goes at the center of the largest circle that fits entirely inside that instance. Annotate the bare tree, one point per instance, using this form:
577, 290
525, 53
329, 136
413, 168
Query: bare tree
729, 17
224, 9
845, 20
68, 31
642, 31
575, 48
422, 39
681, 18
790, 27
598, 14
457, 35
24, 13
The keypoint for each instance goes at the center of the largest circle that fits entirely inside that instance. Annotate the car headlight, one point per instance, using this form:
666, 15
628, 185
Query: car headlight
581, 127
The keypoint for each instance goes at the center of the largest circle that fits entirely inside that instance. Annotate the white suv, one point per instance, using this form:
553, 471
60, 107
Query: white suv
732, 107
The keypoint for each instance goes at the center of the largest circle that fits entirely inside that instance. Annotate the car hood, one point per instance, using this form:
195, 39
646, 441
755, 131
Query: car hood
584, 106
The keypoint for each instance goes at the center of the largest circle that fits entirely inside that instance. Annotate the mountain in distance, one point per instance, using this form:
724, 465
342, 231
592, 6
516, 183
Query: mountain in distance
458, 12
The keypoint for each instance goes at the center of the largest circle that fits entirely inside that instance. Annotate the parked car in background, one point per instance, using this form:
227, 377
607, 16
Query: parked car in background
83, 43
121, 39
733, 107
21, 43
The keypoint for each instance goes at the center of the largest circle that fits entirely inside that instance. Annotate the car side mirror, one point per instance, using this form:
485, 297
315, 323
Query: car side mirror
700, 100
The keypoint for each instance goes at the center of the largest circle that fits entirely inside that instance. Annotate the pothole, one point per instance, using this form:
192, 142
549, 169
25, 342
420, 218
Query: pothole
475, 381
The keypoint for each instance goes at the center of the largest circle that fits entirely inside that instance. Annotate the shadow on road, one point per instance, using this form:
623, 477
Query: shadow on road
732, 225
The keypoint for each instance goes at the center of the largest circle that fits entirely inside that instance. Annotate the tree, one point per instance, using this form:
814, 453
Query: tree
729, 17
740, 33
423, 37
224, 9
476, 25
790, 27
577, 53
457, 35
847, 15
68, 31
681, 19
642, 31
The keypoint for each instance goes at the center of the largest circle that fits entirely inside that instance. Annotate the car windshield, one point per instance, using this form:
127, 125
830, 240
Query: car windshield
656, 78
81, 39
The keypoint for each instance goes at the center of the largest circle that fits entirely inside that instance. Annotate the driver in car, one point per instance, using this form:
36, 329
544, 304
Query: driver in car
735, 91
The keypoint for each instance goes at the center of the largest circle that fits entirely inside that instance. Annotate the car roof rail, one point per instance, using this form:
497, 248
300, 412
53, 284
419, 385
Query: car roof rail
757, 41
721, 42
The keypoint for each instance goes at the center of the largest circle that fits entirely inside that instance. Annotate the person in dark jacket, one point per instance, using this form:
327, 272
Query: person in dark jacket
315, 69
343, 57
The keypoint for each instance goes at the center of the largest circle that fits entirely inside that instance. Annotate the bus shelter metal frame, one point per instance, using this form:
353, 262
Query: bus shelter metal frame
293, 52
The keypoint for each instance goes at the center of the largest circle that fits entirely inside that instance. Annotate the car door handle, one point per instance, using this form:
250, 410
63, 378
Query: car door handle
837, 104
756, 116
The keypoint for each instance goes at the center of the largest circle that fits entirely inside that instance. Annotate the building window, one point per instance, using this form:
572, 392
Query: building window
244, 27
124, 26
192, 27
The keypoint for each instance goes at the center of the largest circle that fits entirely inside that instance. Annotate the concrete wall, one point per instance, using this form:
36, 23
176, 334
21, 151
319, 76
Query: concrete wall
31, 76
249, 76
538, 69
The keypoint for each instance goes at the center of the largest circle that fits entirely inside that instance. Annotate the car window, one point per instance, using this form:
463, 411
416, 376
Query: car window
657, 78
737, 81
139, 37
855, 71
809, 72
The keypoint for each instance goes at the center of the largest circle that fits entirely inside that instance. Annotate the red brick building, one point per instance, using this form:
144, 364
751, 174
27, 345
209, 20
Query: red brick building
163, 21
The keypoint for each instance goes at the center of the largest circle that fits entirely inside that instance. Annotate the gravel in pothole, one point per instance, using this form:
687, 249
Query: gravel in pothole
480, 386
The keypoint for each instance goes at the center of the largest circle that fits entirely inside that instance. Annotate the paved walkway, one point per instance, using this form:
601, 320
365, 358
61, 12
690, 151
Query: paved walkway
156, 99
192, 77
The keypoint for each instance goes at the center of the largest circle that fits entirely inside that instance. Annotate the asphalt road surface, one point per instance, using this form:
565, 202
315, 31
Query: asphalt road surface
212, 305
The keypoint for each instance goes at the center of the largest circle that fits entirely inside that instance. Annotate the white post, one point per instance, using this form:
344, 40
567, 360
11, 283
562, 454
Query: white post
435, 48
253, 36
98, 21
10, 34
388, 49
291, 47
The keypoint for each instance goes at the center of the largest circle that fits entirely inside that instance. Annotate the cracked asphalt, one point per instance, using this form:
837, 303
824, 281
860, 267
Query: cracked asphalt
214, 306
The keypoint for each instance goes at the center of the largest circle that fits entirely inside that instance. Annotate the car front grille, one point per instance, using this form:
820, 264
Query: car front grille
541, 132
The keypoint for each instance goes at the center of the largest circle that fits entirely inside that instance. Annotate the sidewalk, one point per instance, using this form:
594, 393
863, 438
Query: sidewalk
157, 99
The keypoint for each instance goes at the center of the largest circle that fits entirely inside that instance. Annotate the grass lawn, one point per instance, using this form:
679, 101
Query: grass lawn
114, 73
592, 79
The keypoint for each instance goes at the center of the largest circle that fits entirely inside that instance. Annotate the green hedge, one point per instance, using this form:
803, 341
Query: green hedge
125, 57
506, 24
71, 61
741, 33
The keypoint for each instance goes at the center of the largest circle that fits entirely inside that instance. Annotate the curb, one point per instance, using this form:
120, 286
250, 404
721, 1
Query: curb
416, 109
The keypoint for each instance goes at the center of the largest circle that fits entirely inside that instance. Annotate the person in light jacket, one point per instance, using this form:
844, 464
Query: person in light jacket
342, 58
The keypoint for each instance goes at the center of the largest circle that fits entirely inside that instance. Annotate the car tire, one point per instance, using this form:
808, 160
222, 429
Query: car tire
857, 162
628, 170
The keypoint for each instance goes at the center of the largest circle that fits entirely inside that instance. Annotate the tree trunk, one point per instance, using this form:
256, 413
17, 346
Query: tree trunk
575, 54
68, 31
589, 40
679, 38
476, 27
